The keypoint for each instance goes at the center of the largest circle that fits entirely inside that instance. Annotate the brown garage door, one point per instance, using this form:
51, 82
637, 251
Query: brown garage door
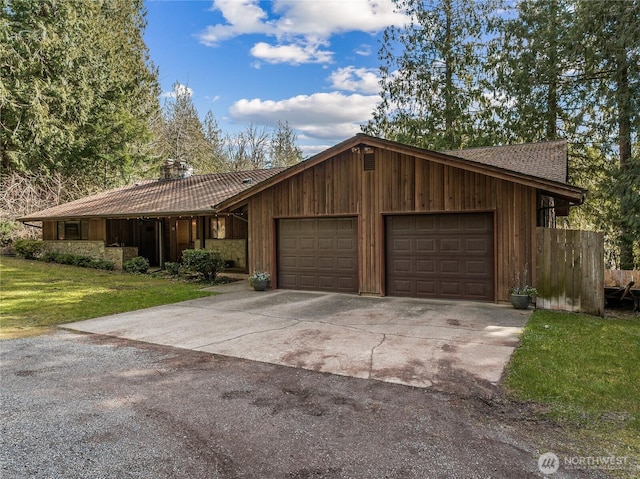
318, 254
440, 256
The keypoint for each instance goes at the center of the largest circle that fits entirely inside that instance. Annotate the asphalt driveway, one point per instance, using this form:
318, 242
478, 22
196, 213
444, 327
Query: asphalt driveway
424, 343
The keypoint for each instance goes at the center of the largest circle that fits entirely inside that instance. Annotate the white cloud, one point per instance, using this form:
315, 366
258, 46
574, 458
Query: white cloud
321, 115
363, 50
292, 54
243, 16
364, 80
300, 27
177, 88
328, 17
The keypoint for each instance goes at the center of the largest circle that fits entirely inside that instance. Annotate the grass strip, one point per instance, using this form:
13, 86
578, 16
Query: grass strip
584, 373
35, 296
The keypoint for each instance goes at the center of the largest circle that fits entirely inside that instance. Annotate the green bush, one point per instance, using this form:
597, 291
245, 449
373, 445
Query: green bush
137, 265
77, 260
100, 263
7, 230
28, 248
51, 257
173, 268
205, 261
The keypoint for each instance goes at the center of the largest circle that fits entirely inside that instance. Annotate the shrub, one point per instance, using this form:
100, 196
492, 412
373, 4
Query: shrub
137, 265
7, 232
100, 263
173, 268
77, 260
205, 261
51, 257
28, 248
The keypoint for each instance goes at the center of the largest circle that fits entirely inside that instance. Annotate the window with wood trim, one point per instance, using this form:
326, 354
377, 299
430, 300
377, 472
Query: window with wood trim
73, 230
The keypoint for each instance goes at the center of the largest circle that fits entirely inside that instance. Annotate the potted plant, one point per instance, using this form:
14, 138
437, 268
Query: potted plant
259, 280
520, 293
520, 296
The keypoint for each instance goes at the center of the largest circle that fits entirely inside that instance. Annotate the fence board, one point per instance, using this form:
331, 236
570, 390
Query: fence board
570, 270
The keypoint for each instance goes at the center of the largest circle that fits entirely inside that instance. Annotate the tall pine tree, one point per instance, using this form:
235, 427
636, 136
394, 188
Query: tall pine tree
431, 69
78, 89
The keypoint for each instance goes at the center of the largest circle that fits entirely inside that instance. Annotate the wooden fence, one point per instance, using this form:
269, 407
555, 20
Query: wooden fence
570, 270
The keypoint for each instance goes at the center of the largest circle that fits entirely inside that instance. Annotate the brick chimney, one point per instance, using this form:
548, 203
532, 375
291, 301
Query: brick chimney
175, 170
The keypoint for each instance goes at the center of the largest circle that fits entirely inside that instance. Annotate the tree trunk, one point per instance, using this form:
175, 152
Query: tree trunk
623, 100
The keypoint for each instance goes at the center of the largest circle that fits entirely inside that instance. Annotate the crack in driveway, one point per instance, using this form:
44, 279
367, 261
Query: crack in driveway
373, 349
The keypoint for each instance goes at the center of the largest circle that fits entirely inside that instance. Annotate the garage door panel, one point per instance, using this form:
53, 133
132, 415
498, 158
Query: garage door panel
420, 224
425, 266
402, 266
424, 288
477, 245
440, 255
476, 268
451, 267
326, 252
450, 288
425, 245
450, 245
346, 244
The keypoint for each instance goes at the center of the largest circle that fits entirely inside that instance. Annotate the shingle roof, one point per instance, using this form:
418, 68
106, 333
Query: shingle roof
195, 194
546, 160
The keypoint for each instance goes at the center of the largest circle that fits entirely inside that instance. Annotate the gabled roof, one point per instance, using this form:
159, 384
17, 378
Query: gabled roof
540, 165
543, 160
193, 195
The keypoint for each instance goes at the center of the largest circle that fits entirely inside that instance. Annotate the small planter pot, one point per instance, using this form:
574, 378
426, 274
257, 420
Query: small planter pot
260, 285
520, 301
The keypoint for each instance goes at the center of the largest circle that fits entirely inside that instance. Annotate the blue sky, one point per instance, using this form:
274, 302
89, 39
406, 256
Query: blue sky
312, 63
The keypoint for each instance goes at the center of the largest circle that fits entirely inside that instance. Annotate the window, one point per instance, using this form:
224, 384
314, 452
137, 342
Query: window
218, 227
73, 230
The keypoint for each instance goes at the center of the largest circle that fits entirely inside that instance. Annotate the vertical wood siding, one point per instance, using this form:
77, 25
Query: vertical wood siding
398, 184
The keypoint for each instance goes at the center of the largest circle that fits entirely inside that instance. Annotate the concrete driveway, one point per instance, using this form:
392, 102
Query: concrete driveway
424, 343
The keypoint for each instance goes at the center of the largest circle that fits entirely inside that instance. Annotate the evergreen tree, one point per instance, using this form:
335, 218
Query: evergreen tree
607, 43
532, 83
431, 70
78, 89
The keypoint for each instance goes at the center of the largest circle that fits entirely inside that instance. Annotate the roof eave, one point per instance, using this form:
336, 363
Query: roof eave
136, 215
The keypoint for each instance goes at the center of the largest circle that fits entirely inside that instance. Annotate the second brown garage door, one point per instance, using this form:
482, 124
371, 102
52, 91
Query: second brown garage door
318, 254
440, 256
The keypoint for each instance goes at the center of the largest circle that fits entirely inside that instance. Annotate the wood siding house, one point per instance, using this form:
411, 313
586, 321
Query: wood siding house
155, 219
372, 216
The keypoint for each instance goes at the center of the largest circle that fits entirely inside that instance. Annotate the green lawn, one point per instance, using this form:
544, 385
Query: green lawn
583, 372
35, 296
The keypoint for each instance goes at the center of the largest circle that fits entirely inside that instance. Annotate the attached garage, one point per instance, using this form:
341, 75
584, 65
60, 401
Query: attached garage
440, 256
373, 216
318, 254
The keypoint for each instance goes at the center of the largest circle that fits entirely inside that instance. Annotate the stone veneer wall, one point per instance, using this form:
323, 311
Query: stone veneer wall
230, 249
95, 249
83, 248
120, 256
